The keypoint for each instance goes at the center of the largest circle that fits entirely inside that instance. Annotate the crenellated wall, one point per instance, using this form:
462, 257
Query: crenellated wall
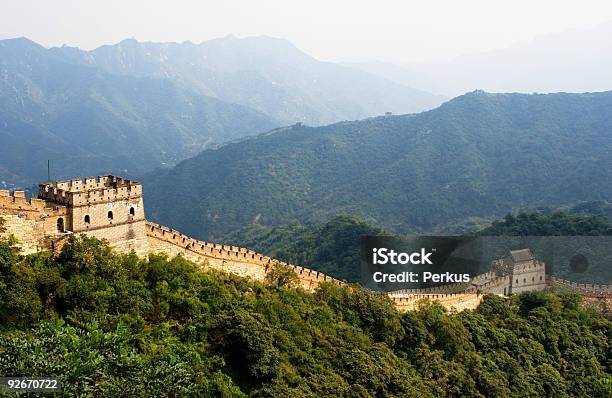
442, 289
227, 258
32, 221
488, 282
456, 301
17, 204
593, 289
90, 191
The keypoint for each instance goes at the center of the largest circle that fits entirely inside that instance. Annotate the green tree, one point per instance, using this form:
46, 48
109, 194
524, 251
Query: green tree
282, 275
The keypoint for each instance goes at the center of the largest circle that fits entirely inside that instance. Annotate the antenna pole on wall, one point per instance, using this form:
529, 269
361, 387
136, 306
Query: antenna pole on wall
49, 170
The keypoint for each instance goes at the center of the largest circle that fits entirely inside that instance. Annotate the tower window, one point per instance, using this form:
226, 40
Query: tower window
60, 224
87, 219
132, 212
110, 215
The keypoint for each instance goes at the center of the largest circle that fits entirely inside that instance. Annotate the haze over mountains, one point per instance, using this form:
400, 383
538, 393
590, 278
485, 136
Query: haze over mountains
88, 121
131, 107
478, 155
267, 74
570, 61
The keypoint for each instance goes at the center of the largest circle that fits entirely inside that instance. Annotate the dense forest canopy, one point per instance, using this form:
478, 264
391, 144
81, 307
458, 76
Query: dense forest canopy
110, 324
557, 224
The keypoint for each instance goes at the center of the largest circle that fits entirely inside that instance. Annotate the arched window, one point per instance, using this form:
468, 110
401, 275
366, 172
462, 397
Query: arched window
60, 224
132, 212
110, 215
87, 219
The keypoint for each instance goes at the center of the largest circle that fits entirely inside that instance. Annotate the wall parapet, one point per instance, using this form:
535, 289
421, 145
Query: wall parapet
589, 288
17, 203
481, 283
309, 277
459, 301
90, 190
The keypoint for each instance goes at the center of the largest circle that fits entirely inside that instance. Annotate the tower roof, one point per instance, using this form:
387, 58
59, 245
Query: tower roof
522, 255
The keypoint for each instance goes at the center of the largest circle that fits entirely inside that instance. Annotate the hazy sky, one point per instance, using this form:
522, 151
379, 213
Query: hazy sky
335, 30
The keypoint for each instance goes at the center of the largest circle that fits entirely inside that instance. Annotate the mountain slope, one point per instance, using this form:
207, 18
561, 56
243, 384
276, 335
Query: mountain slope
87, 121
477, 155
263, 73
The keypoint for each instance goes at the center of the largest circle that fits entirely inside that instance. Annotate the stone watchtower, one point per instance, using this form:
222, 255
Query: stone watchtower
525, 271
106, 207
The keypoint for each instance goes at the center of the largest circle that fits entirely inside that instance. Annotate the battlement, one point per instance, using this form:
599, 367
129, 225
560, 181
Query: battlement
90, 190
536, 265
442, 289
17, 204
502, 266
488, 282
588, 288
457, 301
18, 200
228, 255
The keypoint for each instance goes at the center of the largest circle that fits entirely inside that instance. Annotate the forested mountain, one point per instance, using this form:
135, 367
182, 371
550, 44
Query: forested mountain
558, 224
477, 155
263, 73
87, 121
115, 325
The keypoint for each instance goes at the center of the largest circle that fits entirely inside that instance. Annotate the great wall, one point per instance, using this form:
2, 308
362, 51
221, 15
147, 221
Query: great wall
111, 208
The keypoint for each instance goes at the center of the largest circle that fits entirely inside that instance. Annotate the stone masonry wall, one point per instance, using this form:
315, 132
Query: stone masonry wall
228, 258
31, 221
593, 289
458, 301
528, 276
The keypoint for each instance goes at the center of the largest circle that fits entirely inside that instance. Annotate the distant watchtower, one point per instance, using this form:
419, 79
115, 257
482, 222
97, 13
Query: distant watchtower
106, 207
525, 271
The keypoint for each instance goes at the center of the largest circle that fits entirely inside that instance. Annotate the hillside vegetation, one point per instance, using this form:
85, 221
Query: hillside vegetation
110, 324
478, 155
557, 224
87, 121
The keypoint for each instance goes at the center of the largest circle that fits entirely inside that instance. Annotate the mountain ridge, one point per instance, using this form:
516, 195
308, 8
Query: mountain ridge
268, 74
87, 121
478, 155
